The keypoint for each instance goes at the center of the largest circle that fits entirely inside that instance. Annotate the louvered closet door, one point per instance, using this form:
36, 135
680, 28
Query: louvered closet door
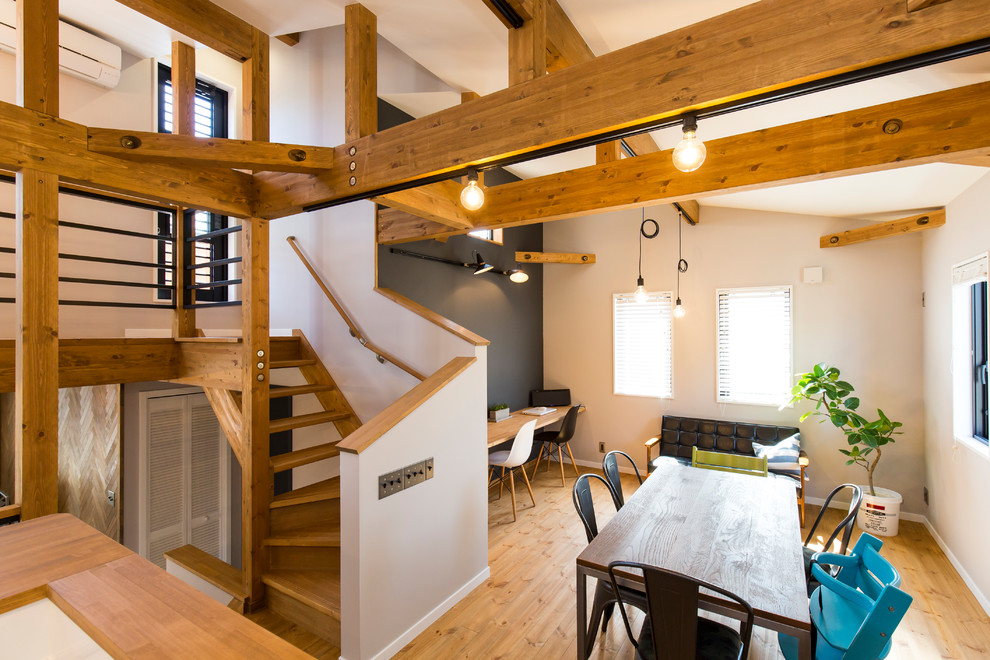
165, 476
186, 478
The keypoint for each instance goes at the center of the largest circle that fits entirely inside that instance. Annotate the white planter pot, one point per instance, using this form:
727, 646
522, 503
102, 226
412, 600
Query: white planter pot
498, 415
880, 513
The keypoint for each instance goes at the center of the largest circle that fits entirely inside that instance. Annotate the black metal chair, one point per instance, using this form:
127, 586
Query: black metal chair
604, 602
610, 466
561, 438
672, 629
844, 528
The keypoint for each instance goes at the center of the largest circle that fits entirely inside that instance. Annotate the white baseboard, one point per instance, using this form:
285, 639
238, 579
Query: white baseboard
984, 602
432, 616
624, 467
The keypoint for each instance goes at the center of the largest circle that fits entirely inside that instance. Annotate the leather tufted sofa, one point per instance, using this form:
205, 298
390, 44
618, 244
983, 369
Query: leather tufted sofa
678, 435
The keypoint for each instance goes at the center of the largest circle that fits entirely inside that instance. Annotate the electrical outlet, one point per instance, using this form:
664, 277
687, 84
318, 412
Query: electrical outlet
926, 495
601, 447
414, 474
389, 484
429, 467
111, 497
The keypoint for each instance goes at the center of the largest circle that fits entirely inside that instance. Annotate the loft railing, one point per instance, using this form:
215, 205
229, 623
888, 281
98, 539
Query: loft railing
382, 355
162, 264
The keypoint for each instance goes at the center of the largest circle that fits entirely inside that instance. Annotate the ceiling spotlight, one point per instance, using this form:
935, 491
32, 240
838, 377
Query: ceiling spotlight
690, 152
479, 264
518, 276
472, 195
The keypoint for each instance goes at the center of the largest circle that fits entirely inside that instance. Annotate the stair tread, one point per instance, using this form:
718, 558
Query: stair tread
220, 574
286, 364
311, 419
318, 589
328, 489
306, 537
300, 457
297, 390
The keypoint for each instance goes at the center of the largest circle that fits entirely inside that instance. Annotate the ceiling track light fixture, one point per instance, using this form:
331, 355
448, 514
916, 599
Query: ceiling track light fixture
479, 265
682, 266
472, 195
641, 295
690, 152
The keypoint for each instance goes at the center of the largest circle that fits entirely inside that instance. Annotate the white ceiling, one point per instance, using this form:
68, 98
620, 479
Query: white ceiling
464, 45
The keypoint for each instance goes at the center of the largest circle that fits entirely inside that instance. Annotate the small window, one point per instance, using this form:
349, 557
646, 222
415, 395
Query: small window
211, 121
491, 235
978, 298
969, 350
642, 345
754, 345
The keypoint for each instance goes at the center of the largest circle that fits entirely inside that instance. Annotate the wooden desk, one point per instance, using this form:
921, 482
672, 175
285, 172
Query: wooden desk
126, 604
735, 531
499, 432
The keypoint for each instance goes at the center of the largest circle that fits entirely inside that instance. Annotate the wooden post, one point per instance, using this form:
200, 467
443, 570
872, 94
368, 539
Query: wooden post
256, 472
360, 72
183, 123
36, 268
528, 46
608, 152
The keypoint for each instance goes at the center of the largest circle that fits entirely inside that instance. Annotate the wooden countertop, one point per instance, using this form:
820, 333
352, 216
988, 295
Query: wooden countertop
499, 432
129, 606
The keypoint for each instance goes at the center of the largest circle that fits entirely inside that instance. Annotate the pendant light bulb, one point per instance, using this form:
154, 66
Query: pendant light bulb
679, 311
518, 276
640, 294
472, 196
690, 152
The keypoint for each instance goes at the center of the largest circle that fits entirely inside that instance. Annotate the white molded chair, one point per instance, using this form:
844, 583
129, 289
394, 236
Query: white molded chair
522, 445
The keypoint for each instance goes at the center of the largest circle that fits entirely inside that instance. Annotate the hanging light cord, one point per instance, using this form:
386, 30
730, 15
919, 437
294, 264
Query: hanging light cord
642, 234
682, 264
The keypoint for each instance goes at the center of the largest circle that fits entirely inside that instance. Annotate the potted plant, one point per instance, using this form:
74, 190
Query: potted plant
834, 400
498, 412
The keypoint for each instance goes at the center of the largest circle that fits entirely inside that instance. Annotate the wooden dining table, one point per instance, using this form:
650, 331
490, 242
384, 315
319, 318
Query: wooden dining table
735, 531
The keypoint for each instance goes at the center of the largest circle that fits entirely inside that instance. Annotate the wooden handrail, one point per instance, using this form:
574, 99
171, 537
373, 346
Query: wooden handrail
402, 407
354, 330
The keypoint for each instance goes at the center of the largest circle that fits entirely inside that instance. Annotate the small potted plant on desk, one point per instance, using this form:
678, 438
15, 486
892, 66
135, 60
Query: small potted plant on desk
498, 412
834, 401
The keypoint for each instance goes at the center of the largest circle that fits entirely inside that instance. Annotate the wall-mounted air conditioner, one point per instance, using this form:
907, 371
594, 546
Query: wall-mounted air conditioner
80, 54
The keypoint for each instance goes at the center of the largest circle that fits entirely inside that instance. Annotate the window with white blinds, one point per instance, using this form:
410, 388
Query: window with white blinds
642, 345
754, 345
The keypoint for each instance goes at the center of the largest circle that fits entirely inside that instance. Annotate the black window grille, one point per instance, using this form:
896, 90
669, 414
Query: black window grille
981, 410
210, 121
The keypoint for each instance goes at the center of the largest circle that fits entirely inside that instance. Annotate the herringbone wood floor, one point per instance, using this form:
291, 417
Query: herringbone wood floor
526, 608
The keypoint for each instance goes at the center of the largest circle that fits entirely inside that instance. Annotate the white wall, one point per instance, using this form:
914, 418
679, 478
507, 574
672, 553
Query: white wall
865, 318
408, 558
958, 477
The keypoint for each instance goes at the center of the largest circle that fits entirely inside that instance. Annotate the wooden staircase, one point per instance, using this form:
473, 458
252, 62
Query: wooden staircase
302, 578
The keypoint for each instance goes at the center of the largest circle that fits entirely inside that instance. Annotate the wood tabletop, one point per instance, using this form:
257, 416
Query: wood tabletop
738, 532
126, 604
499, 432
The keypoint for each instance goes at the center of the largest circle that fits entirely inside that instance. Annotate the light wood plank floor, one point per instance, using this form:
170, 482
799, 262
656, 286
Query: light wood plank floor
526, 608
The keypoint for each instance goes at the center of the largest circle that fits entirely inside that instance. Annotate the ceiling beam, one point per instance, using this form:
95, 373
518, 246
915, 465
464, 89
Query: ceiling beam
211, 152
437, 202
203, 21
528, 46
975, 161
360, 72
290, 39
397, 226
555, 258
933, 128
38, 141
757, 48
915, 5
919, 222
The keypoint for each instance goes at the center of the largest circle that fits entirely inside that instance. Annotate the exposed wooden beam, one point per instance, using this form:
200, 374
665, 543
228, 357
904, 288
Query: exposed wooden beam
915, 5
190, 151
360, 72
555, 258
37, 140
398, 226
935, 127
528, 46
517, 6
608, 152
975, 161
256, 95
289, 39
690, 210
36, 272
919, 222
183, 125
439, 202
469, 96
203, 21
565, 45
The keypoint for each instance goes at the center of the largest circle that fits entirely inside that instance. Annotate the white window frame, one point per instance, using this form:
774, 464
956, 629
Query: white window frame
738, 399
669, 297
962, 276
144, 508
